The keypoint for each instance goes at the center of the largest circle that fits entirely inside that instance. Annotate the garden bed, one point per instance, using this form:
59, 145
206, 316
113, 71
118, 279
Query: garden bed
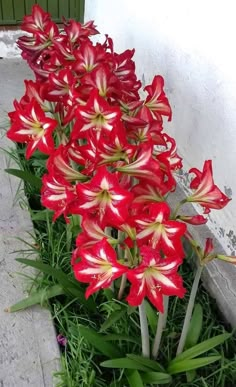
82, 351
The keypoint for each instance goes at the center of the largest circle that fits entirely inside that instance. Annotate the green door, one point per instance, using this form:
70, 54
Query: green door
12, 11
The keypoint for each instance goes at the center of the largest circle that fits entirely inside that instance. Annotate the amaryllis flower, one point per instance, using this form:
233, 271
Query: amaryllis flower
60, 84
104, 196
115, 148
142, 126
88, 57
147, 192
206, 192
57, 193
31, 125
93, 232
156, 100
193, 219
36, 91
159, 231
60, 164
77, 32
102, 79
208, 254
97, 116
98, 266
37, 21
145, 166
125, 72
154, 278
174, 160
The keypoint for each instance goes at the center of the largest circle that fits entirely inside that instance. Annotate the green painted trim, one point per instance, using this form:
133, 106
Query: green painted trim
11, 13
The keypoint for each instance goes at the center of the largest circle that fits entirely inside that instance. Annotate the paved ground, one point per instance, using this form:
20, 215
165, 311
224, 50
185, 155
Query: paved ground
29, 352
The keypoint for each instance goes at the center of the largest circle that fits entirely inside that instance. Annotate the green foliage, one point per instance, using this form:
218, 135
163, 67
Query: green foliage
97, 340
195, 327
28, 177
101, 331
192, 364
37, 298
201, 348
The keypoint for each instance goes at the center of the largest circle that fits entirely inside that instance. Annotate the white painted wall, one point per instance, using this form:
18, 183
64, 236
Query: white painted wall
192, 44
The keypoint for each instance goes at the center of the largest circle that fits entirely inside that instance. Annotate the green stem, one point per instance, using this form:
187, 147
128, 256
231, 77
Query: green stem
189, 310
144, 331
160, 327
166, 306
122, 286
120, 240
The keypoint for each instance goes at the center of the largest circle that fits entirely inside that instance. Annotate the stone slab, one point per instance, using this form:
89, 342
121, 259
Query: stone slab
219, 277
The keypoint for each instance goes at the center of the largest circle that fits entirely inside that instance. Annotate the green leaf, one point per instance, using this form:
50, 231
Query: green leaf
42, 215
97, 340
195, 327
115, 316
191, 364
109, 294
48, 269
28, 177
191, 375
151, 364
134, 378
151, 316
37, 298
125, 363
156, 377
70, 285
202, 347
117, 337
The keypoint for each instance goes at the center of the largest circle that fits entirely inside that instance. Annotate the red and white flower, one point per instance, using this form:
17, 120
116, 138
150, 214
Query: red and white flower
156, 100
156, 229
206, 192
31, 125
104, 196
154, 278
96, 116
98, 266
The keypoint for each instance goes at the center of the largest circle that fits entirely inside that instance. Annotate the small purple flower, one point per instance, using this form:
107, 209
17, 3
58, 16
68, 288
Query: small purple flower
62, 340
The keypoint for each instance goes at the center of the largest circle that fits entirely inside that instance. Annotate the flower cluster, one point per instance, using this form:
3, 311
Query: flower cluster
110, 160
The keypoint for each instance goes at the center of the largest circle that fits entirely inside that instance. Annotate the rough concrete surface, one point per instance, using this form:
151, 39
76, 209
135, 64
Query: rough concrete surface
29, 353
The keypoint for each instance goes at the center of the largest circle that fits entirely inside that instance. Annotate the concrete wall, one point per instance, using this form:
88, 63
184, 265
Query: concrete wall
192, 44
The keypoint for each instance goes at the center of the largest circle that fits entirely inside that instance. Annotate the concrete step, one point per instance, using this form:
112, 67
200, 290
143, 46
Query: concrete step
29, 352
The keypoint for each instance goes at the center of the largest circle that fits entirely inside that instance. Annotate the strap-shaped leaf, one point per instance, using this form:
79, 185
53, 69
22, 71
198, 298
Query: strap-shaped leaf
156, 377
115, 316
71, 286
191, 364
117, 337
151, 364
97, 340
195, 327
37, 298
28, 177
134, 378
201, 348
125, 363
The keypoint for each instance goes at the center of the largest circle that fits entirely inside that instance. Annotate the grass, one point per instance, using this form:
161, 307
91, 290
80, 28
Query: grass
53, 244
